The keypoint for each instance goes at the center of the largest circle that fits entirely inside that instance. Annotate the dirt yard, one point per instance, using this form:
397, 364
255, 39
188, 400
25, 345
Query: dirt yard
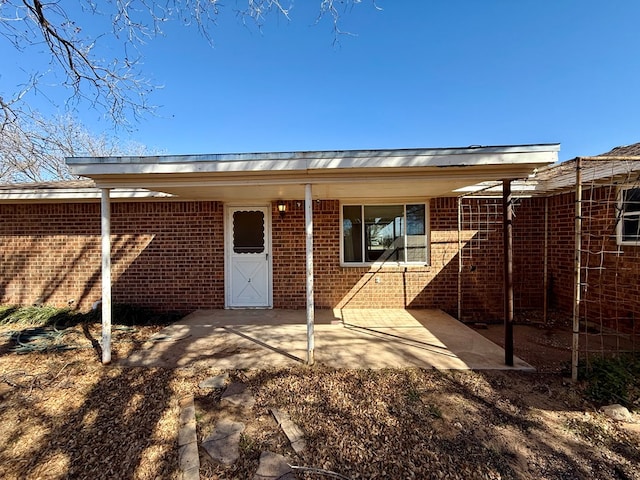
63, 415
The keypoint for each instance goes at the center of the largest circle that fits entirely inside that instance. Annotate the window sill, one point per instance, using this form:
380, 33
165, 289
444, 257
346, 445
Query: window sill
629, 243
384, 265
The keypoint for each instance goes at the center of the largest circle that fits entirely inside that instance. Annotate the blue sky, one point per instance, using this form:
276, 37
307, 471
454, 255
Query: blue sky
428, 73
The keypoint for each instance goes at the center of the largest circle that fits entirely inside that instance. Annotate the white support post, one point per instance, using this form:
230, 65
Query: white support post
105, 208
308, 217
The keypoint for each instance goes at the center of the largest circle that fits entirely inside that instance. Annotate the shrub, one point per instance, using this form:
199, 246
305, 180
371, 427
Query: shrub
613, 380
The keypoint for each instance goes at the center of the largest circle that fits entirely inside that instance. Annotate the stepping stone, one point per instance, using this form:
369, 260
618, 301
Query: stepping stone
187, 433
191, 474
212, 383
223, 445
272, 467
188, 456
290, 429
237, 394
187, 410
189, 459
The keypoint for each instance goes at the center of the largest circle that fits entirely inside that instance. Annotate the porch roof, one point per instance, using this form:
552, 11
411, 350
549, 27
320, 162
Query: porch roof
342, 175
70, 191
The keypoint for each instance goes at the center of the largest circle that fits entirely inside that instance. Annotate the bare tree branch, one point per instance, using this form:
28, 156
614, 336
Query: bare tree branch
34, 150
85, 65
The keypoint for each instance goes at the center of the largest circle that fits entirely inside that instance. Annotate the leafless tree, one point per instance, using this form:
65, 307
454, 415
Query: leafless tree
100, 68
115, 85
34, 150
82, 63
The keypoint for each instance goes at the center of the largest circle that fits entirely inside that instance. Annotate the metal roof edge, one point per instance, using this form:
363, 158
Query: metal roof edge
313, 155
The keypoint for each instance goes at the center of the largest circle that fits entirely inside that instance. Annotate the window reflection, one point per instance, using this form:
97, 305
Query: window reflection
248, 232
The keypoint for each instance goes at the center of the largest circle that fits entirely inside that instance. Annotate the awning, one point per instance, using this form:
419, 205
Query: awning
339, 175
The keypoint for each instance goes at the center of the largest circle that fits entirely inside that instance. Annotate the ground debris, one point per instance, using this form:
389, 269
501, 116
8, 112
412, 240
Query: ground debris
64, 415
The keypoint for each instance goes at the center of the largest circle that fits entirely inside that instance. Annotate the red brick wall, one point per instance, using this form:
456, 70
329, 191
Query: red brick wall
50, 253
356, 287
528, 254
482, 273
561, 251
482, 259
181, 267
170, 255
433, 286
164, 255
610, 273
288, 250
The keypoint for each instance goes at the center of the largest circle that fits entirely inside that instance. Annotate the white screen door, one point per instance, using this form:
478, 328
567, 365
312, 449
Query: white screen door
248, 280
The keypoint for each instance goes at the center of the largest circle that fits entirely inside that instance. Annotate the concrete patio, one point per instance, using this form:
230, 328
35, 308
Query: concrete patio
375, 338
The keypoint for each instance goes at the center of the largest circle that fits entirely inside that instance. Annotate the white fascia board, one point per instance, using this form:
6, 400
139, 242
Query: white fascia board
46, 195
143, 168
302, 162
440, 161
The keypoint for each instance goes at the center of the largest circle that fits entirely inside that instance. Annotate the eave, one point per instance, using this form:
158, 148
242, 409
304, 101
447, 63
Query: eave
344, 175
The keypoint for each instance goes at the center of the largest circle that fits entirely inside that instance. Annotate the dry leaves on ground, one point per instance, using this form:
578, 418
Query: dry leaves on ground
64, 415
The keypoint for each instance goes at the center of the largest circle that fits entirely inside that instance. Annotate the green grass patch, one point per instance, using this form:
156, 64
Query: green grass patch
613, 380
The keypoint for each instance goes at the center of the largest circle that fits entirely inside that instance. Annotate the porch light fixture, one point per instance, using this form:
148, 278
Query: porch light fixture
282, 208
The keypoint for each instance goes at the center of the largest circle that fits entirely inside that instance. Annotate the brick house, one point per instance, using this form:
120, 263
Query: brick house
228, 231
389, 229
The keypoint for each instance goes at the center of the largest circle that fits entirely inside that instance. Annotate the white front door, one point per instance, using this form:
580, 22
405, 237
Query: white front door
248, 266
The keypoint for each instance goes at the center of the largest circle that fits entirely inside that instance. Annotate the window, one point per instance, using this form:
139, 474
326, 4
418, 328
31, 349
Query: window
629, 217
384, 234
248, 232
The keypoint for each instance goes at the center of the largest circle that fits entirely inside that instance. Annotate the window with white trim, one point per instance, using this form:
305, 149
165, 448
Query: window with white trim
629, 217
395, 234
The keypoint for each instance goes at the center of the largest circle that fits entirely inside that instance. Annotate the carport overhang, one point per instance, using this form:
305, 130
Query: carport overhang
362, 175
338, 175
